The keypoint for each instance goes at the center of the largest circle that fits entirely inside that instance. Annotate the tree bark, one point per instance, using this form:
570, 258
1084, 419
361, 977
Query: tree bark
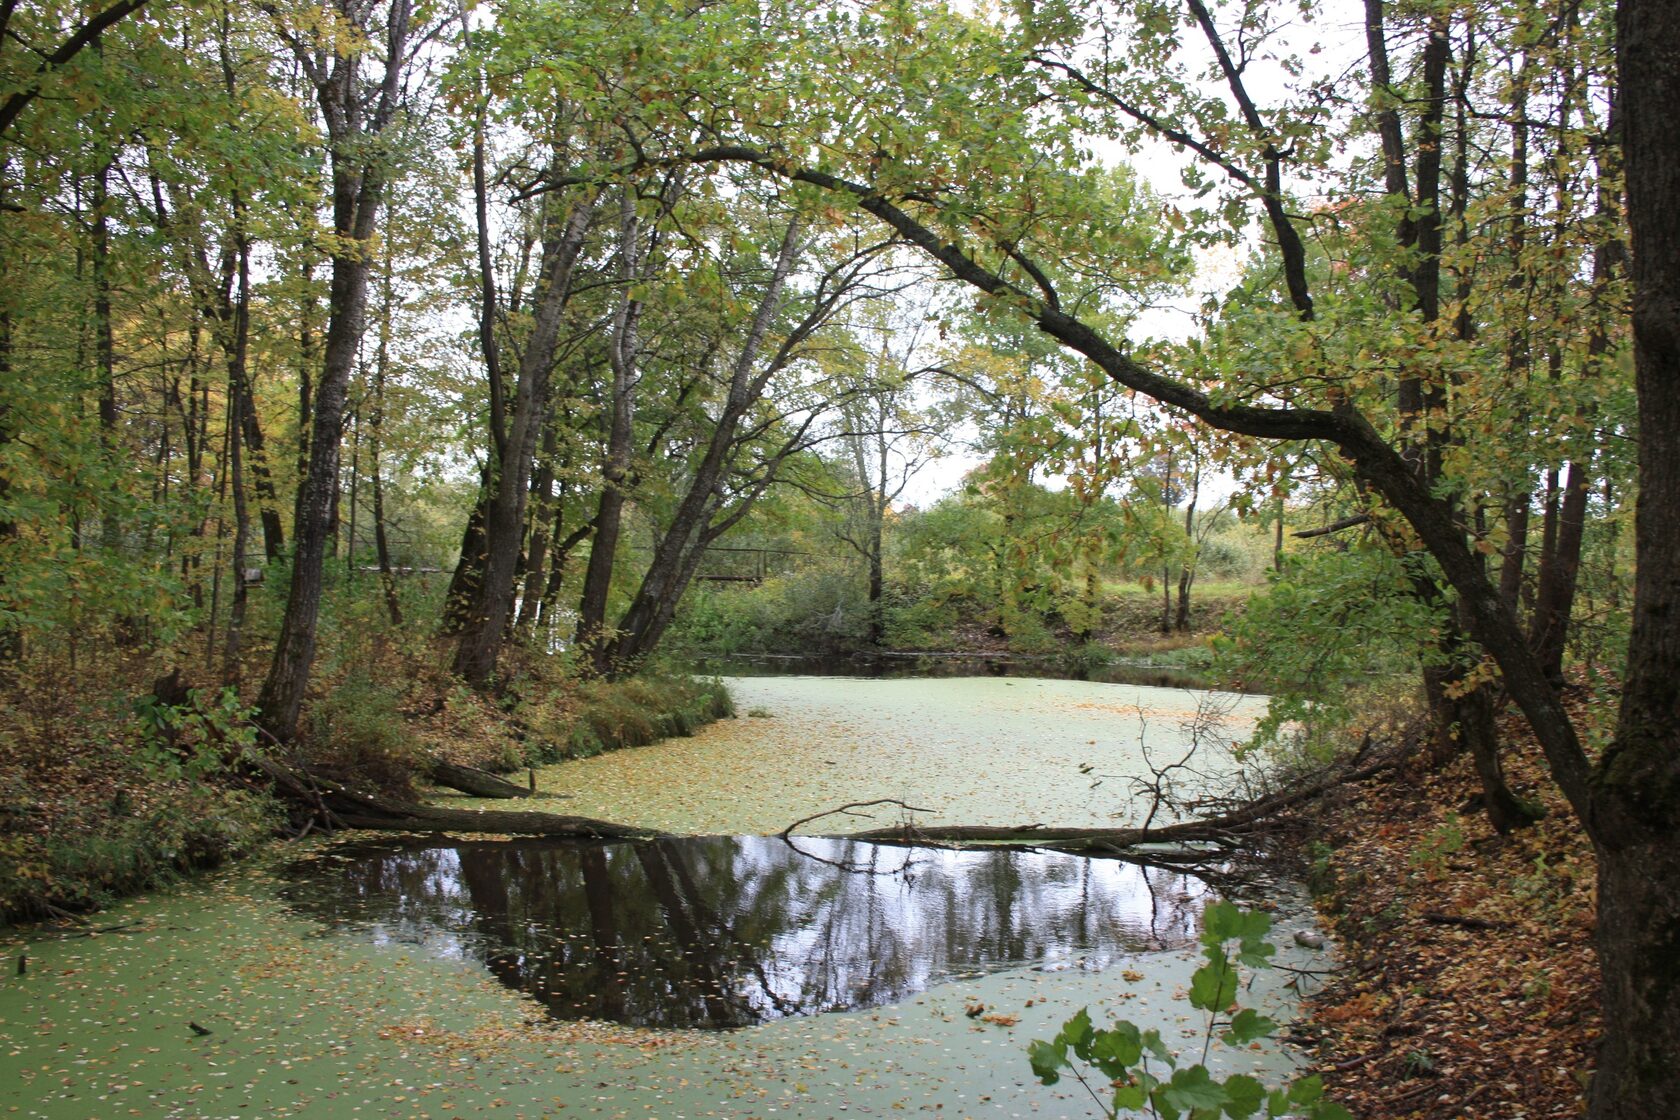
472, 780
469, 567
376, 445
504, 521
1187, 570
542, 522
238, 397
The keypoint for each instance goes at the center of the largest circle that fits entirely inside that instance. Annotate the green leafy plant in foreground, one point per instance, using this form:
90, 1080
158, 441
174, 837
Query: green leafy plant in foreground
1148, 1078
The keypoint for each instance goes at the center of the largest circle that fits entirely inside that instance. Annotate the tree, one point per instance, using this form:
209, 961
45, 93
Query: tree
356, 111
884, 442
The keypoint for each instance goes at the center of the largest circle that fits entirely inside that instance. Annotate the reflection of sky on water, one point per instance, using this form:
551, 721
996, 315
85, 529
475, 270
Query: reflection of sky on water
729, 931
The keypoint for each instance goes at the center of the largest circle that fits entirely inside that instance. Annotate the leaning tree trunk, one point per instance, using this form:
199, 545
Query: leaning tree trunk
677, 555
515, 443
358, 191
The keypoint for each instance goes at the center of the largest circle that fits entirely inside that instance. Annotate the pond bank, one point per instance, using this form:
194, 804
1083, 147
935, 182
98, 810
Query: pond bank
1470, 990
1168, 670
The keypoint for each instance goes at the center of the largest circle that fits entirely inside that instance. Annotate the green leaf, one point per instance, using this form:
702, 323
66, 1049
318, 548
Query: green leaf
1130, 1097
1243, 1096
1152, 1043
1116, 1051
1047, 1059
1192, 1088
1308, 1090
1220, 923
1248, 1025
1213, 986
1329, 1110
1077, 1033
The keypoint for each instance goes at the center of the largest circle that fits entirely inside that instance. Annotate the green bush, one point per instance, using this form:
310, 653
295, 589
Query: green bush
605, 715
1143, 1074
820, 607
357, 736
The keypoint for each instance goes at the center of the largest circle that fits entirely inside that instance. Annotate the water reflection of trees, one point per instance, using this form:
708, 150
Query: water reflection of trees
729, 931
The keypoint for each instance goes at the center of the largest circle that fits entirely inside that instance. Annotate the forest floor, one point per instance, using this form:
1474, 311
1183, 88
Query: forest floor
1468, 987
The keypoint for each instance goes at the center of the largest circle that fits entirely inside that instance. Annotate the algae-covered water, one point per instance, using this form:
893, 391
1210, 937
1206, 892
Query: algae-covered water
975, 750
440, 978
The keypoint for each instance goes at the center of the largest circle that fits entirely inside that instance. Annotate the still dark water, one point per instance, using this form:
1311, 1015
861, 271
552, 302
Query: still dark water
721, 932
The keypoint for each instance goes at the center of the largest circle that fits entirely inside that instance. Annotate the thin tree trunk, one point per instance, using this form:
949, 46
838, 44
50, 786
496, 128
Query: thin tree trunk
238, 395
307, 357
1187, 570
104, 350
542, 520
677, 555
11, 637
376, 444
1560, 565
355, 481
504, 523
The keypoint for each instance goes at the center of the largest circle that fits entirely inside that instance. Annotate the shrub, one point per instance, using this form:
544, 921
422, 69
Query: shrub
357, 737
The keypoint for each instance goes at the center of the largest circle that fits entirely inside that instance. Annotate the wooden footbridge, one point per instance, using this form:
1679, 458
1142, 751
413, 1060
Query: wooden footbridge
746, 566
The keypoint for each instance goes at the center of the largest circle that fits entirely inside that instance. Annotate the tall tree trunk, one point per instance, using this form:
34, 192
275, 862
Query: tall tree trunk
504, 522
238, 396
1560, 564
1187, 570
557, 563
542, 521
1636, 812
355, 484
307, 357
623, 353
1519, 346
104, 350
262, 481
376, 443
11, 638
358, 192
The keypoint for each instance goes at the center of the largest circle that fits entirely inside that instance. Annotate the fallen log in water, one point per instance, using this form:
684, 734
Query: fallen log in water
471, 780
1227, 829
333, 806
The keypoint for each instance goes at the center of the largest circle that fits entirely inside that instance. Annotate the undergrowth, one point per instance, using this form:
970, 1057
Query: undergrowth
109, 788
101, 797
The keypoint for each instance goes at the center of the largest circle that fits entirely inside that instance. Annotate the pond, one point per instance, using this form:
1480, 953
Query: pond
720, 974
